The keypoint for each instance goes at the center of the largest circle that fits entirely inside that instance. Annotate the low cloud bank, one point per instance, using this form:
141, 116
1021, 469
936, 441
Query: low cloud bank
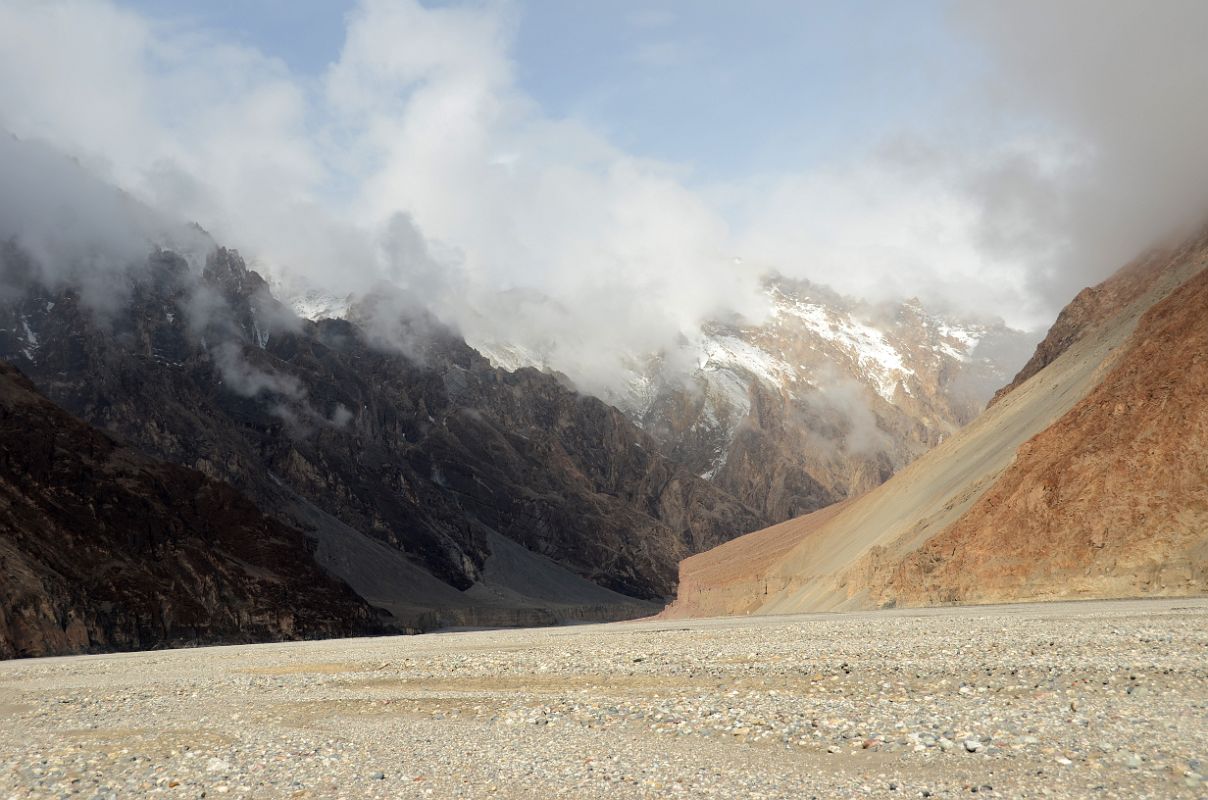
417, 160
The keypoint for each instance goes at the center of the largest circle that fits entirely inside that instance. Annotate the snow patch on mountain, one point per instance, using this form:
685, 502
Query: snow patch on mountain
869, 347
315, 305
956, 341
730, 352
300, 296
509, 356
31, 339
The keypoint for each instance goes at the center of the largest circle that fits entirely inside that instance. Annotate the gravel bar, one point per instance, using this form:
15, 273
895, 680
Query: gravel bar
1095, 699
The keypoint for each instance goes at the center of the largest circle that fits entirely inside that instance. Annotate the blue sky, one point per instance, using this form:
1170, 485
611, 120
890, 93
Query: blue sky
739, 88
722, 88
306, 34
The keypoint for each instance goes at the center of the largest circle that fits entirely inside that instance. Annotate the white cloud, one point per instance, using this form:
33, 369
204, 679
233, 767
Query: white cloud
418, 123
418, 159
908, 221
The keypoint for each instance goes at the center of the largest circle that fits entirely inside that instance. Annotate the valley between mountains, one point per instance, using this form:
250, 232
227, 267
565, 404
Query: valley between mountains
431, 486
437, 485
647, 400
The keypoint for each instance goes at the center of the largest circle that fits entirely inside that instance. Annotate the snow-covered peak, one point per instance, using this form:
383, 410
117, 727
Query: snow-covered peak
811, 336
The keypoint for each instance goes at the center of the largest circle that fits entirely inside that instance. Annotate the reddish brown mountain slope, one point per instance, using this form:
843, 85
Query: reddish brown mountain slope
1086, 479
718, 582
1110, 500
102, 548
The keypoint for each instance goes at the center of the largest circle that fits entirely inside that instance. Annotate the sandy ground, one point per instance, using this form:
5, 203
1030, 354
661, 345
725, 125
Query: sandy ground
1104, 699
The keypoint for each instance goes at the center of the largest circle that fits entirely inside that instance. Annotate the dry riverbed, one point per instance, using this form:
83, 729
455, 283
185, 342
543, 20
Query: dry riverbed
1103, 700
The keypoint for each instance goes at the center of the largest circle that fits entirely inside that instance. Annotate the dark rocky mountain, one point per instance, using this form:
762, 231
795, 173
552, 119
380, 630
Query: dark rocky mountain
442, 489
103, 548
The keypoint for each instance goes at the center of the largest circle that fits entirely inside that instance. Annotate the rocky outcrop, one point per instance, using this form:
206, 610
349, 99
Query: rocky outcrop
400, 450
102, 548
1084, 480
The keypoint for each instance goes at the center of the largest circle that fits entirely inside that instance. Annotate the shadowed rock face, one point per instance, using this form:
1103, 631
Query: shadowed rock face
1084, 479
402, 434
102, 548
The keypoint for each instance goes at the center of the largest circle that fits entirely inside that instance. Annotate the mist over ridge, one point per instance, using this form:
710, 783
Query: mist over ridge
417, 160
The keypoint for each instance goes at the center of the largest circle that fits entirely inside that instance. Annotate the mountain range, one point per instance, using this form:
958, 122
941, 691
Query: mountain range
446, 490
191, 459
440, 488
822, 400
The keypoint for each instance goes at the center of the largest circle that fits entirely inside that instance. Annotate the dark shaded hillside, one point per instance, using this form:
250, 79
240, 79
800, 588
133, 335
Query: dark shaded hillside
394, 444
102, 548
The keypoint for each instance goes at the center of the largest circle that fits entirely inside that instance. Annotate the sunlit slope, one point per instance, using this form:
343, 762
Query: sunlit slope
1109, 501
733, 578
855, 558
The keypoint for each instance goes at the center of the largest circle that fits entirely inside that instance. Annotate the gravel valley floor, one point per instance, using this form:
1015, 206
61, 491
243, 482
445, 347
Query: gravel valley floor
1105, 699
